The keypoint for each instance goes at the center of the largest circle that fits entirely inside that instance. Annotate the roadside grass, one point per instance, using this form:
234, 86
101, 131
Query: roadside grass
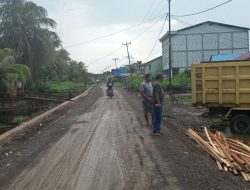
182, 99
60, 86
19, 119
120, 85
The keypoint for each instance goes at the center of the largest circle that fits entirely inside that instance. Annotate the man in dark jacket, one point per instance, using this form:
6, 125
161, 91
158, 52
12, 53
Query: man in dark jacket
158, 98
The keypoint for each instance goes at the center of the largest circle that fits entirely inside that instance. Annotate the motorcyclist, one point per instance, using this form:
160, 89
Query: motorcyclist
110, 85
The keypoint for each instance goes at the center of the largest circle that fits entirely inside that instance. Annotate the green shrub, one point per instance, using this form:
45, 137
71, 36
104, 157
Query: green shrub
59, 86
134, 83
180, 82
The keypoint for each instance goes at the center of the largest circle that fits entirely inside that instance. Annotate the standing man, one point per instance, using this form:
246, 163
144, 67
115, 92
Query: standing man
158, 98
146, 91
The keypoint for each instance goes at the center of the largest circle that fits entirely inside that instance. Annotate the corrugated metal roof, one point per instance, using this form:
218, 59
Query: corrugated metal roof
207, 22
224, 57
215, 23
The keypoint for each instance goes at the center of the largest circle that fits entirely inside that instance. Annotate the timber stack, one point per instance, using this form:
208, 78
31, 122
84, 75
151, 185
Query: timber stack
230, 155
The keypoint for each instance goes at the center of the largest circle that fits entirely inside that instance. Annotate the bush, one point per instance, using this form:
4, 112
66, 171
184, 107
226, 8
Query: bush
180, 82
134, 83
59, 86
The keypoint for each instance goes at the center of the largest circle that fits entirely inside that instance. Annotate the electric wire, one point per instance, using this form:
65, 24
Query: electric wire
148, 11
134, 39
204, 11
158, 37
113, 33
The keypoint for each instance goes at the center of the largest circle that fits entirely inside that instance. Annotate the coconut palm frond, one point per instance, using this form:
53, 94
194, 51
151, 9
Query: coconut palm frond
24, 70
9, 60
6, 52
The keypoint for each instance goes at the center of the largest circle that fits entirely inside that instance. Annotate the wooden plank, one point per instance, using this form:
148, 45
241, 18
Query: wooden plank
225, 168
219, 165
245, 176
240, 143
240, 153
212, 143
238, 159
208, 148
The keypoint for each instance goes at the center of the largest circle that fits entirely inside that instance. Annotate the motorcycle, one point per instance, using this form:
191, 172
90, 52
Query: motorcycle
110, 93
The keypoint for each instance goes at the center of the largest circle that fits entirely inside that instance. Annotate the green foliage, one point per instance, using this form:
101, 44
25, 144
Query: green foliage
134, 83
5, 52
25, 28
11, 73
60, 86
181, 82
77, 71
18, 120
29, 33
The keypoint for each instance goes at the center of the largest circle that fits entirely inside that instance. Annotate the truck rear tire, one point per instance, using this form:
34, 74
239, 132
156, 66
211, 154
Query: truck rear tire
240, 124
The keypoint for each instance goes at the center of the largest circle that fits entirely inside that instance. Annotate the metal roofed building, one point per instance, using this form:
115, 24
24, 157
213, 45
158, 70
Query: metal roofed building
154, 66
199, 42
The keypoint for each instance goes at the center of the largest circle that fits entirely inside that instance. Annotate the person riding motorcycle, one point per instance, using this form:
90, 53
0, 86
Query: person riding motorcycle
110, 86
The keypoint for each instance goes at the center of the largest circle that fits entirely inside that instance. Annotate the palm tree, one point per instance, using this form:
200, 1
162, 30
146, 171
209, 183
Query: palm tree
11, 73
26, 28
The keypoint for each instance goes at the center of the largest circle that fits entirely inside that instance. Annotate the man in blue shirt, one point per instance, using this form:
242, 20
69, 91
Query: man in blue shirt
158, 98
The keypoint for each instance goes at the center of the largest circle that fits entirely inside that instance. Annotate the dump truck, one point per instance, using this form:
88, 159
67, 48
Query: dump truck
224, 88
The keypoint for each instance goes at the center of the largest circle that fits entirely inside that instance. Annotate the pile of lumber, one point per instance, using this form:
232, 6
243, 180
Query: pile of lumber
230, 155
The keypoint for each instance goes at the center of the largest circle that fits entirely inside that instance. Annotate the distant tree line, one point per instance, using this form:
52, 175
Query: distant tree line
28, 40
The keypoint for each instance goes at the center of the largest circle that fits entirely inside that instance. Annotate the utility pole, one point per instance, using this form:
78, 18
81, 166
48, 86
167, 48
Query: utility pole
115, 59
170, 46
127, 44
172, 97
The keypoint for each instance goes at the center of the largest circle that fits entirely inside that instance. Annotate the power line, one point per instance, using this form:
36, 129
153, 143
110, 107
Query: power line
134, 39
200, 12
114, 33
107, 55
158, 37
155, 9
148, 11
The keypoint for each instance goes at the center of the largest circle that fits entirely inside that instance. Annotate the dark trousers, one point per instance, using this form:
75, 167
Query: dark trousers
157, 116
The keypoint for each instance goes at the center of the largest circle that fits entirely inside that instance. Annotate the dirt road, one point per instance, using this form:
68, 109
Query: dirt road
108, 147
104, 149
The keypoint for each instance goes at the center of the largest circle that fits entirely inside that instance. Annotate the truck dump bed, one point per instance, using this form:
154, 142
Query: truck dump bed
221, 84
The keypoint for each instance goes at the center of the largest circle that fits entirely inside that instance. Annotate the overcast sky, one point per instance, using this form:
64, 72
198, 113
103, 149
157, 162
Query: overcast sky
82, 20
